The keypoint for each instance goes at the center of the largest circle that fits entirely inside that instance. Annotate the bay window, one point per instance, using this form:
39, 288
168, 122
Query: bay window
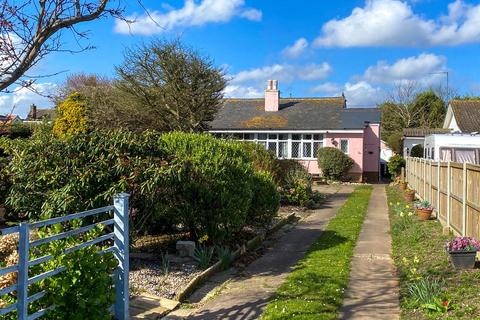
283, 145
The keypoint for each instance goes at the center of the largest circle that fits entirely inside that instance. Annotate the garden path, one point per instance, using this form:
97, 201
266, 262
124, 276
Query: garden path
245, 296
373, 288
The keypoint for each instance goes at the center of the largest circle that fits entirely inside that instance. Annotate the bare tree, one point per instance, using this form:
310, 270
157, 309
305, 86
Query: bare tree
31, 29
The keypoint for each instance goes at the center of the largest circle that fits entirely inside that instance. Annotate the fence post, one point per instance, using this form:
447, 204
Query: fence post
424, 196
449, 173
121, 242
22, 283
464, 200
438, 187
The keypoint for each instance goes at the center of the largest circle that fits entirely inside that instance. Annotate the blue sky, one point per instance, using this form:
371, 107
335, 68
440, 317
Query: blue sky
314, 48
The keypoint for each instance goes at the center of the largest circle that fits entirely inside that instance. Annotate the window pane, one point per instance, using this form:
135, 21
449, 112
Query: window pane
248, 136
307, 137
273, 147
262, 136
272, 136
283, 136
316, 146
238, 136
295, 149
307, 149
344, 145
283, 149
296, 136
318, 137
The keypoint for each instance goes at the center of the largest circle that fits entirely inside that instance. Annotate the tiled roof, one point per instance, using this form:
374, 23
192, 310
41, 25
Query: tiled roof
293, 114
42, 114
467, 114
422, 132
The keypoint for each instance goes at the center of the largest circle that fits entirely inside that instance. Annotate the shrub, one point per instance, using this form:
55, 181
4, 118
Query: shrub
395, 164
417, 151
333, 163
297, 188
54, 177
264, 160
265, 201
71, 116
211, 189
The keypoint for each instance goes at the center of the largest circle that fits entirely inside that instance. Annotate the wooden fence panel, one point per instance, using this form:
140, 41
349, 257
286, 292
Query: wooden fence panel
452, 188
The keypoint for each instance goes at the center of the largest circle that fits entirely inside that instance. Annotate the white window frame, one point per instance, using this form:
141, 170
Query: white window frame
348, 145
289, 141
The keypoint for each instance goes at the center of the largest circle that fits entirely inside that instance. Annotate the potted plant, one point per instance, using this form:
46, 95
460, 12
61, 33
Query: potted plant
409, 195
402, 184
424, 209
462, 251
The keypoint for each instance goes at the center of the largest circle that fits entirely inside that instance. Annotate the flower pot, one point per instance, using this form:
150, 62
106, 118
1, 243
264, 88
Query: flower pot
403, 185
410, 197
462, 260
424, 214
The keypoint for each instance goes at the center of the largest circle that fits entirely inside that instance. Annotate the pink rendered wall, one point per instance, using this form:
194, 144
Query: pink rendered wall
371, 154
311, 166
355, 147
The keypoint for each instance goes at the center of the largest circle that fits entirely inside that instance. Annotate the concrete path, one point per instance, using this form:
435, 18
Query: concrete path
245, 297
373, 289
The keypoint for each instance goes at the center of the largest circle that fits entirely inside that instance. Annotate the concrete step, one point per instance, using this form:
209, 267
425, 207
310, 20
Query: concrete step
151, 307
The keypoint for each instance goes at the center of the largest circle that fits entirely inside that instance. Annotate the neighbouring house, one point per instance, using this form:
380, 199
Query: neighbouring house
463, 116
385, 154
9, 119
295, 128
38, 115
456, 147
416, 136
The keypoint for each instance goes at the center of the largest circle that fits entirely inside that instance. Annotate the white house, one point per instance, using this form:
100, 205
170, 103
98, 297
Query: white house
416, 136
463, 116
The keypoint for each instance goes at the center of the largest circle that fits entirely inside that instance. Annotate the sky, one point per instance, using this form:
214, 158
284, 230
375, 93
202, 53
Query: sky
313, 48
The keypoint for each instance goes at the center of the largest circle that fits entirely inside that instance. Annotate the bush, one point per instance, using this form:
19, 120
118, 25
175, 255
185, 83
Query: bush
333, 163
264, 160
417, 151
265, 201
297, 187
71, 115
395, 164
210, 190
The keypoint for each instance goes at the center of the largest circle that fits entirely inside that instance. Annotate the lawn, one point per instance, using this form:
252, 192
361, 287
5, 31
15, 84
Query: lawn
315, 289
418, 246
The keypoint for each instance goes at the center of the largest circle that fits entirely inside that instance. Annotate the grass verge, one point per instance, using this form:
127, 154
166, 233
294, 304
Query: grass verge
424, 269
315, 288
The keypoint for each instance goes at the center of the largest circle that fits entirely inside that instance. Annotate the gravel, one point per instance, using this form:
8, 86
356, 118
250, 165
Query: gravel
147, 276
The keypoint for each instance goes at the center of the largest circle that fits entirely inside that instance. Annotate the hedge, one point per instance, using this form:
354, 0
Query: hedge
333, 163
205, 185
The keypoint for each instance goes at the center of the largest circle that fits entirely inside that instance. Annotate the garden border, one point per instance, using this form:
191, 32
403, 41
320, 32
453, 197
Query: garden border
251, 244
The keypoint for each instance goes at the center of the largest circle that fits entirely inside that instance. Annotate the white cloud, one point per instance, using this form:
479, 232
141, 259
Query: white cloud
419, 68
193, 13
358, 94
393, 23
238, 91
21, 99
296, 49
283, 73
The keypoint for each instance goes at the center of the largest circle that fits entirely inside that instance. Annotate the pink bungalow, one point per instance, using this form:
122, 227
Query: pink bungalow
295, 128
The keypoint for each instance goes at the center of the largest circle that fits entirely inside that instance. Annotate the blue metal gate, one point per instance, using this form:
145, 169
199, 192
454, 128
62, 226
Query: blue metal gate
120, 248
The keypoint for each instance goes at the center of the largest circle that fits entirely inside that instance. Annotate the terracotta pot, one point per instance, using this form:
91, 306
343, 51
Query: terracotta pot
463, 259
424, 214
403, 186
409, 197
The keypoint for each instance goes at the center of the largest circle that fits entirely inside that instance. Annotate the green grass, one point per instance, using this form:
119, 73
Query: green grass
425, 240
315, 289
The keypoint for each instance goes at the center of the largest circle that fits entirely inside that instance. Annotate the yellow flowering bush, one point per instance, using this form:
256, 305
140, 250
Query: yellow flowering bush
71, 116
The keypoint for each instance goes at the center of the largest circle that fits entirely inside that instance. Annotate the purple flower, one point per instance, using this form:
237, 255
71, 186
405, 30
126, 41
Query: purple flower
463, 244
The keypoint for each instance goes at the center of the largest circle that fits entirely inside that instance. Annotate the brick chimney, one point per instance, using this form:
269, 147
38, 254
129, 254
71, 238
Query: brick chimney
272, 96
33, 111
